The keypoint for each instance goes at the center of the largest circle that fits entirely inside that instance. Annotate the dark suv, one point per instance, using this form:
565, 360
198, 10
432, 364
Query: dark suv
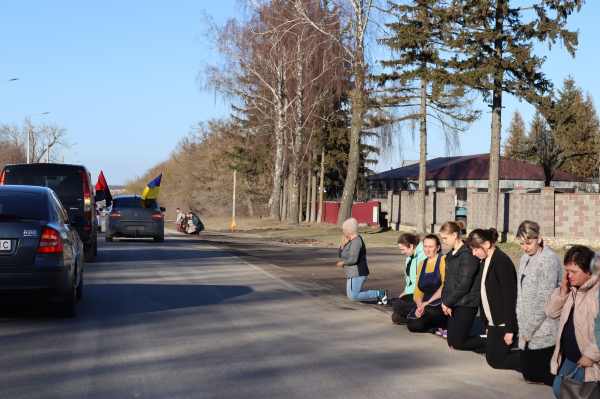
72, 184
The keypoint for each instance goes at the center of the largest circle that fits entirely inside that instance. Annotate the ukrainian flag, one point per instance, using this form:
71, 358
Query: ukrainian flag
151, 190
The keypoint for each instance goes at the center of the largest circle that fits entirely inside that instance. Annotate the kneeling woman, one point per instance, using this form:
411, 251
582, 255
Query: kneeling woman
498, 299
428, 291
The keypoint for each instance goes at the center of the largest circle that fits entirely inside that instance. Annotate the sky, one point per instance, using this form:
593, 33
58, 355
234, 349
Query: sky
122, 78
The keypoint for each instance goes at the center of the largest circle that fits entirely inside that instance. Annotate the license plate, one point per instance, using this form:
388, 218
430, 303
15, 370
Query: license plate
139, 228
5, 245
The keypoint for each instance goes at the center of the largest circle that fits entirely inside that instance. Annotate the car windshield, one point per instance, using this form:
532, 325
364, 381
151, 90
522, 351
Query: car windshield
134, 202
16, 205
66, 182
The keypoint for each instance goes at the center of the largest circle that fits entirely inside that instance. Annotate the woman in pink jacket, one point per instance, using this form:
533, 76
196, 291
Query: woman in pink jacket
575, 304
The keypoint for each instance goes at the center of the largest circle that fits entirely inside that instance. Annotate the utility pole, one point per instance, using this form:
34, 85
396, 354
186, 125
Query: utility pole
29, 133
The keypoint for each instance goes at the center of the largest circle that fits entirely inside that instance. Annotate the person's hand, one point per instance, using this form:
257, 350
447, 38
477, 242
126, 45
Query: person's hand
525, 339
508, 338
345, 240
340, 264
401, 295
565, 286
447, 311
585, 362
420, 309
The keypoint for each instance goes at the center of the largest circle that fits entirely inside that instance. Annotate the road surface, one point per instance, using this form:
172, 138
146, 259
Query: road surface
183, 319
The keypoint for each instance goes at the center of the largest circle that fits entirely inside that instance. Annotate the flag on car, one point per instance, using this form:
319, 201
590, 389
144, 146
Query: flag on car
102, 186
151, 190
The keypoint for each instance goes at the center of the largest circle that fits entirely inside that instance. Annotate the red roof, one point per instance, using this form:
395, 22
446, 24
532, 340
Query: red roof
474, 167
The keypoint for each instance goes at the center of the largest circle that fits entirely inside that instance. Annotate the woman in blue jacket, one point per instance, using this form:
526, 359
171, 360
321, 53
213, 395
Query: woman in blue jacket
411, 246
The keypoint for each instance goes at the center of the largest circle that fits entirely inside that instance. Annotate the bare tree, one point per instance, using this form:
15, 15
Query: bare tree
43, 140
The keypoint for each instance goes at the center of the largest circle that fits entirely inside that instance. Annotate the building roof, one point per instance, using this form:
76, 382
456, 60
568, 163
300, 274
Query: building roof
473, 167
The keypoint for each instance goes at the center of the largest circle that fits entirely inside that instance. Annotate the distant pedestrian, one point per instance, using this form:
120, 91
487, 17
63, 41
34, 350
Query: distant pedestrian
461, 295
411, 246
179, 216
428, 313
498, 299
195, 225
354, 261
540, 272
575, 305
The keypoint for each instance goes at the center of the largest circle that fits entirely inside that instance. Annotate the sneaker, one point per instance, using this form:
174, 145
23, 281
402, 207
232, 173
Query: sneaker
398, 319
380, 295
384, 299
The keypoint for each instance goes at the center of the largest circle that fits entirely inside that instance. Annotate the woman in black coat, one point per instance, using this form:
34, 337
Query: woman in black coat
461, 294
498, 299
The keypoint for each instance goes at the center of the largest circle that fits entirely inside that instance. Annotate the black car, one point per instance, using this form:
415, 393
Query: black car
130, 216
73, 186
41, 255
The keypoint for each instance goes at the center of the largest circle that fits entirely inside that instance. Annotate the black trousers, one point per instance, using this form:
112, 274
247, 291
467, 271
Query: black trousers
433, 317
459, 327
536, 364
497, 353
401, 308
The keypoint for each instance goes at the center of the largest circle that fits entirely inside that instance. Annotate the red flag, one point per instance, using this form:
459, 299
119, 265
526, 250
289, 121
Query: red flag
103, 186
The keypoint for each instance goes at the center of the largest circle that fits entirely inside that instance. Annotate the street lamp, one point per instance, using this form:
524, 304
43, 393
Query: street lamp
29, 131
63, 155
8, 80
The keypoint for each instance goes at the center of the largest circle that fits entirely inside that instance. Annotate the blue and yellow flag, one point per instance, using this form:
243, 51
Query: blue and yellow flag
151, 190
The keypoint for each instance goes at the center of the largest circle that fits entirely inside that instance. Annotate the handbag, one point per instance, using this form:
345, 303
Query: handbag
571, 389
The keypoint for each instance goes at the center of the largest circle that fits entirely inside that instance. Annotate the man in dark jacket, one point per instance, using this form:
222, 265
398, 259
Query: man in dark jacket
196, 222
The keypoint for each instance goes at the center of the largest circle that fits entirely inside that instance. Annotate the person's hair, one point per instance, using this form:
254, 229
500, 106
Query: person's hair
453, 227
581, 256
480, 236
529, 230
433, 237
408, 239
177, 209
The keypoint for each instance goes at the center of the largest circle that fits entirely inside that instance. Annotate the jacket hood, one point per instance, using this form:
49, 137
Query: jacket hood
462, 249
418, 251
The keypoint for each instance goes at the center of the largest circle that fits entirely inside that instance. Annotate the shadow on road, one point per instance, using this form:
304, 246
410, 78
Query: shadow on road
113, 300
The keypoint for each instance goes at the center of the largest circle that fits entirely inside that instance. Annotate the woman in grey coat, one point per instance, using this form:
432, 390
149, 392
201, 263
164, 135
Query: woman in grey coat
540, 273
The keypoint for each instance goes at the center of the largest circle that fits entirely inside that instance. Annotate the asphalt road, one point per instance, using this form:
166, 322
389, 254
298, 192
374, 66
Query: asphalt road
184, 319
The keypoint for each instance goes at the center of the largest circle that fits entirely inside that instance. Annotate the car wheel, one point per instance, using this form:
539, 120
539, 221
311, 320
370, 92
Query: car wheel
88, 253
68, 308
80, 287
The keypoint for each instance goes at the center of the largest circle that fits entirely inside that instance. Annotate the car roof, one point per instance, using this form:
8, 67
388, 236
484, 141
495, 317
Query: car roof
25, 189
29, 165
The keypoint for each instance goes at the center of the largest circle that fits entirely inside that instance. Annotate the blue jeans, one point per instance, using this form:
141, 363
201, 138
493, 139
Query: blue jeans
354, 287
566, 367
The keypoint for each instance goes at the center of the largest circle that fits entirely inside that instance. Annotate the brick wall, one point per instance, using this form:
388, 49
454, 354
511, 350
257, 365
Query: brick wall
577, 215
439, 208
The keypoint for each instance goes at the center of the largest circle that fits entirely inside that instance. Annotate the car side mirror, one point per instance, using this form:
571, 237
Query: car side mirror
80, 221
162, 209
100, 196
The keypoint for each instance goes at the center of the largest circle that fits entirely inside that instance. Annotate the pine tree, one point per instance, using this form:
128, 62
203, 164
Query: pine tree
494, 44
516, 135
418, 84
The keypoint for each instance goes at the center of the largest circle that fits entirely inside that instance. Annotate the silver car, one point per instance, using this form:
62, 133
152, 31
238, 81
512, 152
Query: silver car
129, 216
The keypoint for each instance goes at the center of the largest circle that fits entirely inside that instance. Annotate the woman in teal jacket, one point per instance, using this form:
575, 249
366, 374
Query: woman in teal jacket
411, 246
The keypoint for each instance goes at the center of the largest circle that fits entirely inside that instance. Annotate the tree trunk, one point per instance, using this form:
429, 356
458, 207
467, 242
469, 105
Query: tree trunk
358, 113
294, 193
320, 215
275, 200
313, 205
250, 206
308, 194
300, 203
284, 201
421, 224
494, 183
